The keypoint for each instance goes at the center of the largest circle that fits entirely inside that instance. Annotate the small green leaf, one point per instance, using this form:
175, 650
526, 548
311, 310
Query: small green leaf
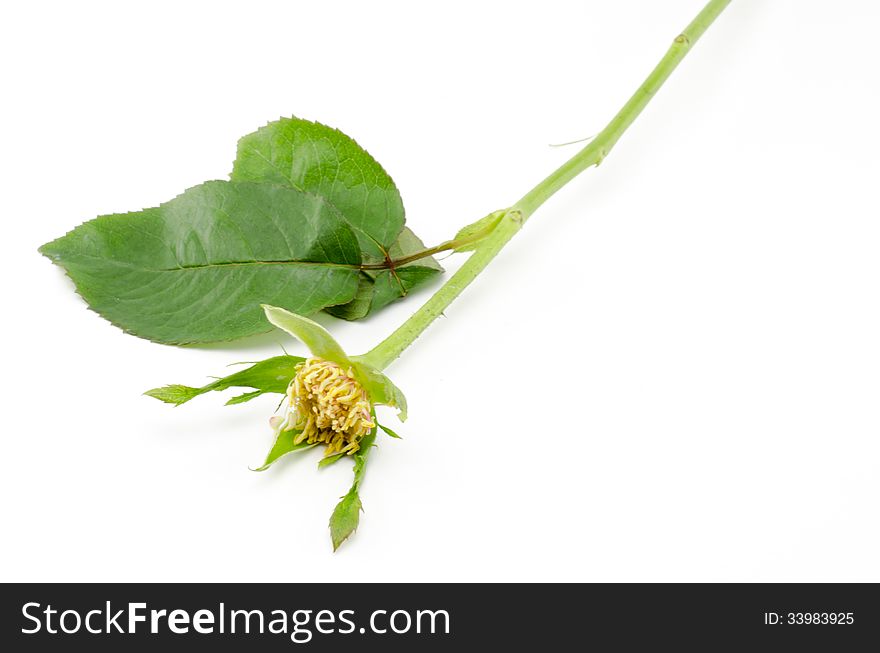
313, 335
346, 516
326, 461
197, 268
283, 445
270, 375
378, 288
359, 307
389, 285
389, 431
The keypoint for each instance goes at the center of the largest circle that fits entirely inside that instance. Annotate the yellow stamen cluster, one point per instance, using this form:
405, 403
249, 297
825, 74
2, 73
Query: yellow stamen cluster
329, 406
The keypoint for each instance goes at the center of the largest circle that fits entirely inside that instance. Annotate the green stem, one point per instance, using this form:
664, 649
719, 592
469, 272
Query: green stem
601, 145
389, 349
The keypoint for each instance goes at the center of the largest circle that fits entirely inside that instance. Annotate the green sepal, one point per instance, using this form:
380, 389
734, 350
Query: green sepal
270, 375
346, 515
242, 398
283, 445
319, 341
176, 394
313, 335
379, 387
326, 461
345, 518
389, 431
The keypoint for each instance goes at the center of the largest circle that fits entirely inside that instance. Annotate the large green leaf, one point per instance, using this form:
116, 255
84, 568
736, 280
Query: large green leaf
322, 160
270, 375
197, 268
318, 159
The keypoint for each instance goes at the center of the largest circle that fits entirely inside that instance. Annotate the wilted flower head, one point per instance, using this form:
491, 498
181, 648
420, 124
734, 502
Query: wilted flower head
327, 404
331, 396
330, 399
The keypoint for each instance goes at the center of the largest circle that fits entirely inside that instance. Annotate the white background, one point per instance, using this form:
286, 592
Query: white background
672, 373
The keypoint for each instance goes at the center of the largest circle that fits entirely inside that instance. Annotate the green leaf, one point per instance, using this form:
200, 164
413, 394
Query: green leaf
313, 335
321, 160
318, 159
283, 445
360, 306
271, 375
378, 288
346, 516
389, 431
197, 268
